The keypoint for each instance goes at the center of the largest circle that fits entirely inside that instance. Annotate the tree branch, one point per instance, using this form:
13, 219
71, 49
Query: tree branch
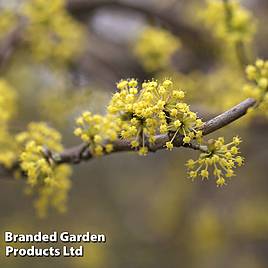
228, 117
81, 152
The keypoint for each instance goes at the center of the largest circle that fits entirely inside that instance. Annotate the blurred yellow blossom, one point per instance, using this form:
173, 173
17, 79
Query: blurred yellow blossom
50, 182
155, 47
51, 32
257, 88
229, 20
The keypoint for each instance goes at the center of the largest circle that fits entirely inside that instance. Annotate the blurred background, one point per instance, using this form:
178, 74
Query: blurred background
152, 215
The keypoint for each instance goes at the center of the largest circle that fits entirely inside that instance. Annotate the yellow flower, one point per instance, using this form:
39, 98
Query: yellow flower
143, 151
97, 139
122, 84
109, 148
204, 174
190, 163
169, 145
179, 94
98, 150
186, 139
163, 128
78, 131
134, 144
193, 174
133, 83
220, 181
177, 123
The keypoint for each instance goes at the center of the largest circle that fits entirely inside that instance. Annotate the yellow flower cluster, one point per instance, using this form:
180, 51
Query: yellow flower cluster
155, 47
219, 158
98, 131
258, 88
222, 84
51, 182
139, 115
7, 102
52, 33
8, 152
55, 191
42, 135
229, 20
7, 110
